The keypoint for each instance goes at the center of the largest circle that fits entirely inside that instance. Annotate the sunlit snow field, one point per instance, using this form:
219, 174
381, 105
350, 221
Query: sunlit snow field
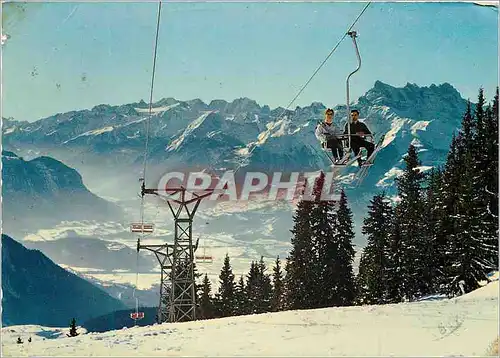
464, 326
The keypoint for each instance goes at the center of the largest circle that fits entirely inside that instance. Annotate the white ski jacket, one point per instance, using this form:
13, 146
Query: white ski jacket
323, 131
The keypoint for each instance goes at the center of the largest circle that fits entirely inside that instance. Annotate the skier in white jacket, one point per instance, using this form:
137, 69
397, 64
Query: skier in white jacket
326, 132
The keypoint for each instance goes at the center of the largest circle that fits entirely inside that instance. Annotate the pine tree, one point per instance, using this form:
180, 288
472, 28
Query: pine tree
395, 254
467, 224
473, 240
265, 286
277, 302
299, 279
470, 126
448, 223
253, 289
324, 268
491, 176
72, 329
258, 288
470, 248
207, 309
225, 299
490, 168
361, 280
434, 213
373, 267
288, 294
417, 278
344, 237
241, 298
198, 290
486, 180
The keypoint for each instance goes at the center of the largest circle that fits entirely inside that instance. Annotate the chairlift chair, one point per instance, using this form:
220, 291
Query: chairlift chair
142, 228
204, 257
137, 315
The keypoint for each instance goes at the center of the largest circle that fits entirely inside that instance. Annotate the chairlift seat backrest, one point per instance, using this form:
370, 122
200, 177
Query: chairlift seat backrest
144, 228
204, 258
137, 315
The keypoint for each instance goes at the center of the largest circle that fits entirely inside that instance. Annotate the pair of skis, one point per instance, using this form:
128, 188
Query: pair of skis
346, 161
363, 171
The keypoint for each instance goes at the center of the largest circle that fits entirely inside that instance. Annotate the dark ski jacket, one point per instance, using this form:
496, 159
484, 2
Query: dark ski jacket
357, 127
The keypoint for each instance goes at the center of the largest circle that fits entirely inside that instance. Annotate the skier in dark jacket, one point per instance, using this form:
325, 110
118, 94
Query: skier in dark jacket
359, 130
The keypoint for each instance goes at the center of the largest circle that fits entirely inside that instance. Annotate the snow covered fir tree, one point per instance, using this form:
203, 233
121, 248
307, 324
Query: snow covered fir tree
441, 236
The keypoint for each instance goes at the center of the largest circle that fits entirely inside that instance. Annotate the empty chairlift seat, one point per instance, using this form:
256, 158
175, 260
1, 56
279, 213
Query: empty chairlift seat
137, 315
142, 228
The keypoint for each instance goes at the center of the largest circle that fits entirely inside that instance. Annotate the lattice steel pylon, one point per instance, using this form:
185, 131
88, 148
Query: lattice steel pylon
164, 254
177, 259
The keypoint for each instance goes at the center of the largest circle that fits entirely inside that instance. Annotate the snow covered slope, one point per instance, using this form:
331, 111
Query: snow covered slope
36, 332
465, 325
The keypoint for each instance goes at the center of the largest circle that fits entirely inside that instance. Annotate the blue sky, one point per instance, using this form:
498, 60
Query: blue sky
69, 56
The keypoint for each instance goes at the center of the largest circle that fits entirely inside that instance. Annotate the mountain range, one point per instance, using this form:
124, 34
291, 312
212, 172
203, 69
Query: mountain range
221, 133
106, 144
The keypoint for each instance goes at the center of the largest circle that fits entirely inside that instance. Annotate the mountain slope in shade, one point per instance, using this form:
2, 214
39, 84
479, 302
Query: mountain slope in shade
37, 291
43, 191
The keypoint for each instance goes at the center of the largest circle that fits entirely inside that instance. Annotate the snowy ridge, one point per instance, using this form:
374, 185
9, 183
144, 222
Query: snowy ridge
464, 326
279, 128
10, 130
419, 126
94, 132
189, 129
135, 121
213, 133
284, 129
156, 109
396, 126
263, 136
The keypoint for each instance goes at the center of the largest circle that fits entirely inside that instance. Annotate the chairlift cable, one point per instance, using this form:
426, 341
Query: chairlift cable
148, 121
148, 124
